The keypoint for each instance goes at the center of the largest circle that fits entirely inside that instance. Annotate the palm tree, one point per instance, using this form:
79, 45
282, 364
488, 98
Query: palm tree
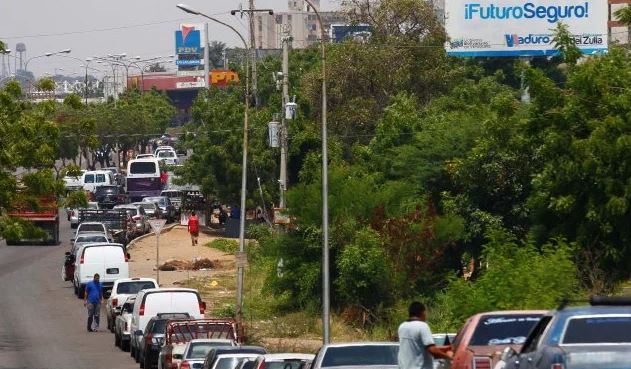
624, 15
216, 51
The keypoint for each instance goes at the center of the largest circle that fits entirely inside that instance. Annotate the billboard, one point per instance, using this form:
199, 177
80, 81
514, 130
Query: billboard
522, 28
340, 32
189, 41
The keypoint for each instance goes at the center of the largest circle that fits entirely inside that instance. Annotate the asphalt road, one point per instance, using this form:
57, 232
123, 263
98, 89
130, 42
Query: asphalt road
42, 323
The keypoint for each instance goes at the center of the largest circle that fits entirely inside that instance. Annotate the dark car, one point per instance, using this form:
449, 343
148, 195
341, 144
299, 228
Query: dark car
109, 196
153, 338
165, 205
220, 353
594, 337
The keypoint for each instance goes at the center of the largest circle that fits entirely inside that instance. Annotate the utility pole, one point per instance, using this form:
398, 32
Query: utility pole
254, 52
206, 58
283, 120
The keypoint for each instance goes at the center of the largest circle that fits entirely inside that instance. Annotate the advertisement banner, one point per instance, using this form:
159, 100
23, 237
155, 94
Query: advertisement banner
522, 28
189, 41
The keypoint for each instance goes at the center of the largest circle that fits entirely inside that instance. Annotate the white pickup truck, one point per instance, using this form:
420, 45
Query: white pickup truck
72, 183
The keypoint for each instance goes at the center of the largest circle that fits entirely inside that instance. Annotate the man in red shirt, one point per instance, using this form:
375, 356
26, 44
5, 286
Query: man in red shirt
193, 228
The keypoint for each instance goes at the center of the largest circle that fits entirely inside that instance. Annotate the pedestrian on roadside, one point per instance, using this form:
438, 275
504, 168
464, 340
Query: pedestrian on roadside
417, 349
92, 301
164, 177
235, 212
193, 228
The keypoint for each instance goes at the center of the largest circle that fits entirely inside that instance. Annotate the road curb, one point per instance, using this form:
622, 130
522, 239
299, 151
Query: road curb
131, 244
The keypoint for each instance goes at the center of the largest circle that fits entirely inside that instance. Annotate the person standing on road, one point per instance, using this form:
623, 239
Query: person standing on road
193, 228
417, 349
92, 301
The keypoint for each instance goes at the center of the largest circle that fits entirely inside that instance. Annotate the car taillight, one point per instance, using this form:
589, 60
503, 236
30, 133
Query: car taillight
557, 366
185, 365
202, 307
142, 310
168, 358
114, 302
81, 260
261, 365
481, 363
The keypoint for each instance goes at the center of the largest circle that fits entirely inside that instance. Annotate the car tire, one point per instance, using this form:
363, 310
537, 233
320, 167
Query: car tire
132, 351
81, 293
124, 345
146, 363
117, 341
76, 290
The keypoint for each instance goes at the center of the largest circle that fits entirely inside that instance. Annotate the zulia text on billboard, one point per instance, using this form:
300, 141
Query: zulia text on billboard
514, 28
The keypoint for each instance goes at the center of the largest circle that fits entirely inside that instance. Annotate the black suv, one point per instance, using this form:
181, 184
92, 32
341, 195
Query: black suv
153, 338
109, 196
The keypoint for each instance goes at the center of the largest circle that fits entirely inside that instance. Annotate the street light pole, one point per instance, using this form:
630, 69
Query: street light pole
326, 296
244, 172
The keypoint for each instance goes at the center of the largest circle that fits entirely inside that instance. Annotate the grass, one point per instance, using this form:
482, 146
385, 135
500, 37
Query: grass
225, 245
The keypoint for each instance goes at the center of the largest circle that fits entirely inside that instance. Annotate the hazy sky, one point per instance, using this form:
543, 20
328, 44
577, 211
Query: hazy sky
100, 27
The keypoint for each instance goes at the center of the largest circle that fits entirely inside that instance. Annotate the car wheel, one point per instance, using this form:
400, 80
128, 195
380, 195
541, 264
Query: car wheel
76, 290
81, 293
146, 363
132, 352
124, 345
117, 341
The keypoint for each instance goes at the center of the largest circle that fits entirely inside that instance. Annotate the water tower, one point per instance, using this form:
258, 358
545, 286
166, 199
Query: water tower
20, 49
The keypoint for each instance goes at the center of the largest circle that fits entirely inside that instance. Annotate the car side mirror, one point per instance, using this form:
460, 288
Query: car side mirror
67, 253
507, 354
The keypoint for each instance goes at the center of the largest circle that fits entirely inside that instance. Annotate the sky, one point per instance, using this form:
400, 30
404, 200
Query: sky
142, 28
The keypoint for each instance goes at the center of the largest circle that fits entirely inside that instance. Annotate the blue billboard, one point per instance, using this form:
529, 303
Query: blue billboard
188, 41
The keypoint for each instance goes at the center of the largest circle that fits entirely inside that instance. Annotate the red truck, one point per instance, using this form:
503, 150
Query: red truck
179, 333
43, 214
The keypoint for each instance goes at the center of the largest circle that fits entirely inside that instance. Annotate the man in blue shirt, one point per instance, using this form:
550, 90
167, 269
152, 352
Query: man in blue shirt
92, 301
416, 344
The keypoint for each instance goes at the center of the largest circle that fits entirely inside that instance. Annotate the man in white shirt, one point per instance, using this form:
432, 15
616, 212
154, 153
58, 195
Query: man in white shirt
417, 349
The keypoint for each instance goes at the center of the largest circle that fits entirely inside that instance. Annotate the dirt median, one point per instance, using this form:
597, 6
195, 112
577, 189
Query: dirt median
175, 245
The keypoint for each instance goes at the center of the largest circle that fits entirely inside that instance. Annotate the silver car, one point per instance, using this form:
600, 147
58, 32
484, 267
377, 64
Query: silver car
138, 219
152, 210
122, 325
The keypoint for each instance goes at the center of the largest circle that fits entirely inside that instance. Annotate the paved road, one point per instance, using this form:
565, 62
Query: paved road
42, 323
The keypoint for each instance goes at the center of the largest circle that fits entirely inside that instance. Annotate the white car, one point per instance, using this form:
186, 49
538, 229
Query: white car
193, 353
93, 179
162, 148
72, 183
93, 227
109, 260
168, 156
122, 324
121, 290
74, 214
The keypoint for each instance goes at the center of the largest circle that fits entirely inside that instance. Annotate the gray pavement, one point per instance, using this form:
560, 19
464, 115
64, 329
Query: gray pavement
42, 323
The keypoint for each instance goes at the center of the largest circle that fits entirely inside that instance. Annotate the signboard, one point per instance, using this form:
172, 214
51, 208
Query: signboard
190, 73
156, 225
341, 32
241, 259
189, 41
198, 84
522, 28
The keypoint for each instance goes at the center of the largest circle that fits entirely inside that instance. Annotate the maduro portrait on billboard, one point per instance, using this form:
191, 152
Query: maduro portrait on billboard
522, 28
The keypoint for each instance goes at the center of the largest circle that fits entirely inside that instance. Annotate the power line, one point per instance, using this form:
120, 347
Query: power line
108, 28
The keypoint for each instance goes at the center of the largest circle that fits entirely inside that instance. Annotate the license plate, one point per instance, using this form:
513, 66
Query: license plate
111, 271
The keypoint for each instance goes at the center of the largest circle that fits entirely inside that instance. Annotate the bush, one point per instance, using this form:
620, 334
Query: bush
365, 274
518, 275
225, 245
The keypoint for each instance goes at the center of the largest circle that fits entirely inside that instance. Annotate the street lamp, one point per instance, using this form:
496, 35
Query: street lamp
326, 295
244, 164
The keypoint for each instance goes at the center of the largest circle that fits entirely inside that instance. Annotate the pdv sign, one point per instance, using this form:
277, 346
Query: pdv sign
522, 28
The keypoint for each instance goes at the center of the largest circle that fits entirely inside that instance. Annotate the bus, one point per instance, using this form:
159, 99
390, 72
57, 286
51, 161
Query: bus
143, 178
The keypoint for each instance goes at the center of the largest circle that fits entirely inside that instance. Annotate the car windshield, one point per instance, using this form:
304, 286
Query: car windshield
159, 326
227, 363
166, 154
199, 350
93, 205
106, 189
134, 287
158, 200
91, 228
142, 167
285, 364
89, 178
599, 329
95, 238
361, 355
503, 329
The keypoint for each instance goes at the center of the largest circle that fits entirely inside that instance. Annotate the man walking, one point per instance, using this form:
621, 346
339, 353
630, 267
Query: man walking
416, 344
193, 228
92, 301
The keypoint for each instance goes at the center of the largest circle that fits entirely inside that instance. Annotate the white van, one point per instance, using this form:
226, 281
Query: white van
153, 301
107, 259
95, 178
143, 178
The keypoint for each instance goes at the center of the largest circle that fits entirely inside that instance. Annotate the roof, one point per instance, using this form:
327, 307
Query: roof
211, 340
512, 312
288, 356
171, 289
349, 344
590, 310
